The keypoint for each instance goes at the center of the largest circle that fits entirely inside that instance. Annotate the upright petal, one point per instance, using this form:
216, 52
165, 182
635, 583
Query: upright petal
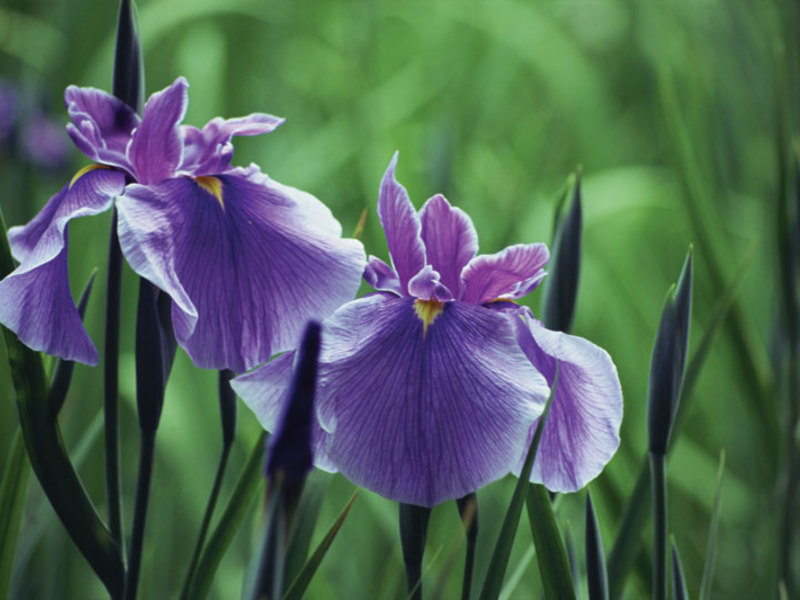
246, 262
509, 274
381, 276
209, 151
424, 417
402, 226
450, 240
101, 125
156, 147
581, 433
426, 285
35, 299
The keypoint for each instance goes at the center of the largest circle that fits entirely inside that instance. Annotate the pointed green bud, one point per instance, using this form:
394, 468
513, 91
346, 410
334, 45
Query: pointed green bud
561, 285
668, 361
128, 83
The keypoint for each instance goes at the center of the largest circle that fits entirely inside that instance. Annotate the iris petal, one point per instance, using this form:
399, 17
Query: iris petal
423, 419
35, 299
244, 278
511, 273
381, 276
156, 147
450, 240
402, 226
581, 433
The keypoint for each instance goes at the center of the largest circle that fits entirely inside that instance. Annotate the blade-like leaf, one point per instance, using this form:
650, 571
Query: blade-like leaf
679, 591
413, 535
248, 488
596, 575
505, 540
711, 547
468, 510
303, 579
12, 501
305, 522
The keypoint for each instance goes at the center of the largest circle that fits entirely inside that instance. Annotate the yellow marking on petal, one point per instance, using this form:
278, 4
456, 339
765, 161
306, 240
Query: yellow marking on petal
501, 299
84, 171
212, 185
427, 311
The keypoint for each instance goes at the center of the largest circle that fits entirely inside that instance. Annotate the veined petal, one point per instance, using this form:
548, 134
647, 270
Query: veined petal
101, 125
35, 299
508, 274
450, 240
581, 433
156, 146
401, 224
209, 150
246, 268
424, 418
381, 276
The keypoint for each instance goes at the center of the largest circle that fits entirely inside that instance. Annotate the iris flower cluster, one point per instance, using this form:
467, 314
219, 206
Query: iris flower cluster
429, 388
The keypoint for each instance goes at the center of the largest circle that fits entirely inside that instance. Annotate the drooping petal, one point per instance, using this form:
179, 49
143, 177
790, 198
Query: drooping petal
424, 416
209, 151
35, 299
101, 125
401, 224
246, 262
450, 240
581, 433
156, 146
381, 276
426, 285
511, 273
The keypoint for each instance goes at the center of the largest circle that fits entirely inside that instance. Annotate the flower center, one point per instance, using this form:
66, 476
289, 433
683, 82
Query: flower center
212, 185
427, 311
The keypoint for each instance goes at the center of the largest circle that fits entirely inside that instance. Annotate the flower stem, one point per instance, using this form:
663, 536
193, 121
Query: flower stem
658, 478
146, 455
111, 384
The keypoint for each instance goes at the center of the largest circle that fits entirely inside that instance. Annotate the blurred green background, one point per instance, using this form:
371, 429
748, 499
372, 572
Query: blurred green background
673, 110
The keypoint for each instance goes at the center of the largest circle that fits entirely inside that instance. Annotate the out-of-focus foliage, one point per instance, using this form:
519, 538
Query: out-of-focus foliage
671, 108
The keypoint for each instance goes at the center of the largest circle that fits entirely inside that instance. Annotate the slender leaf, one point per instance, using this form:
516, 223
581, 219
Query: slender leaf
305, 522
303, 579
505, 540
413, 535
596, 575
711, 547
550, 552
658, 479
679, 591
516, 575
468, 510
12, 502
248, 488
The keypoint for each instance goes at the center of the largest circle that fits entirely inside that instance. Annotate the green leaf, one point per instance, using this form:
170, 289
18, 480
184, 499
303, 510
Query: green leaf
502, 550
305, 522
247, 490
12, 502
49, 457
596, 574
679, 591
303, 579
711, 547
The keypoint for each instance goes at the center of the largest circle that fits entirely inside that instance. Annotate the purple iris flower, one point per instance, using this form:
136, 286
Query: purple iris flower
246, 260
433, 386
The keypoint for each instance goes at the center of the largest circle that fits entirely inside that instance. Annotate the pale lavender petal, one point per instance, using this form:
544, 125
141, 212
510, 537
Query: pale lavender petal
381, 276
156, 146
101, 125
450, 240
509, 274
246, 269
581, 433
425, 285
209, 151
35, 299
424, 416
402, 227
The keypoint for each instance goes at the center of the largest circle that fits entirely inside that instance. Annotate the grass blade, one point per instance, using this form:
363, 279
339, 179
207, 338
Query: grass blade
300, 584
12, 502
596, 575
305, 522
502, 550
247, 489
679, 591
711, 547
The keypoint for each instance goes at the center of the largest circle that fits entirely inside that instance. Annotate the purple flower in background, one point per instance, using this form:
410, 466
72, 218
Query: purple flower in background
433, 386
246, 260
44, 144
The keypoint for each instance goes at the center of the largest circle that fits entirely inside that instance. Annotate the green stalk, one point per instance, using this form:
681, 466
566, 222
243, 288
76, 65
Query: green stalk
658, 478
146, 456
